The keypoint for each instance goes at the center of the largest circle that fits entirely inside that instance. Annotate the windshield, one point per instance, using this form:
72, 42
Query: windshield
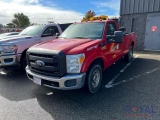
32, 30
84, 30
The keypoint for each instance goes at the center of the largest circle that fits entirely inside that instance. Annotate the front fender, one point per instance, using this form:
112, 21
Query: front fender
89, 60
24, 44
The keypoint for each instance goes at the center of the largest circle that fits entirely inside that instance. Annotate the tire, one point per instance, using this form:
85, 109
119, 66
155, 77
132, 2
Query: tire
23, 62
94, 79
129, 56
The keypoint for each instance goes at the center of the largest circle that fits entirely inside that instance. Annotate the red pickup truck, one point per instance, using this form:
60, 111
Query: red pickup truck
80, 55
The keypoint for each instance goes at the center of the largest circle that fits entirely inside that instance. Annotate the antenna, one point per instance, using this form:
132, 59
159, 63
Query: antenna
50, 20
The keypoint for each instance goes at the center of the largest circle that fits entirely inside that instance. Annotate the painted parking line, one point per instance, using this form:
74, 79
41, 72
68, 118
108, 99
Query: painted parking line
2, 72
50, 93
110, 84
133, 78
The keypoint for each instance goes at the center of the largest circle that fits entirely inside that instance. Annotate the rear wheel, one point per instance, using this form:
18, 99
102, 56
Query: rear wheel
129, 56
94, 79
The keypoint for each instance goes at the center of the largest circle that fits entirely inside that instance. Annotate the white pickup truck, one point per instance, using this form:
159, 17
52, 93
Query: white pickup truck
13, 48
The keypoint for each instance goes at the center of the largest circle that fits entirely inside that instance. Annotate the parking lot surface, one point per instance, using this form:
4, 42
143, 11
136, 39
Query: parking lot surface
128, 92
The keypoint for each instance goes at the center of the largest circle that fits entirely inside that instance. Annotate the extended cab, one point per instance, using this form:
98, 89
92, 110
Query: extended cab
13, 48
79, 56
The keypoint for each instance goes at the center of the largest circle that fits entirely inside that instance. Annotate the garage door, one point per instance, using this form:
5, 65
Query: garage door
152, 37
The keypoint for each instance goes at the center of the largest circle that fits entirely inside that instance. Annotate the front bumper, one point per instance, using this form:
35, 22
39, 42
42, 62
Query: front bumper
10, 61
67, 82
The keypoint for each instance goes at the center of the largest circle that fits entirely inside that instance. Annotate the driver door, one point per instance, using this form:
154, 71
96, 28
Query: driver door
112, 48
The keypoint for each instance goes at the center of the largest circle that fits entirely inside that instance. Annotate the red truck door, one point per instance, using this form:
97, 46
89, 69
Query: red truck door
113, 51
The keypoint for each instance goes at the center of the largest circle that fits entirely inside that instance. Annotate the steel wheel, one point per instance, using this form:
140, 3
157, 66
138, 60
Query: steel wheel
96, 78
93, 79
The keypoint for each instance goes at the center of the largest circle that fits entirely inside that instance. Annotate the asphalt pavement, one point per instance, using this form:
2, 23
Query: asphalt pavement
128, 92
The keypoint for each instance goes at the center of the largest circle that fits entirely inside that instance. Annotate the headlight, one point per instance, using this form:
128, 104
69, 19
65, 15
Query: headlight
6, 48
74, 63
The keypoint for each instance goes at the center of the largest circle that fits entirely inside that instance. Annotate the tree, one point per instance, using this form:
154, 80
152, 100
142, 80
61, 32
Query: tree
88, 15
21, 20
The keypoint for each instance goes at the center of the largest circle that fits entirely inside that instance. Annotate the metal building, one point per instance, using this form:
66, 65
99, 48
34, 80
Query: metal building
142, 17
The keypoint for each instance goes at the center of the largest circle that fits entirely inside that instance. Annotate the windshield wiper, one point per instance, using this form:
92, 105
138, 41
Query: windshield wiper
82, 37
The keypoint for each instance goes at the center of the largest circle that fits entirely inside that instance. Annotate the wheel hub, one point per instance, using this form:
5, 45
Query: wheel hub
96, 78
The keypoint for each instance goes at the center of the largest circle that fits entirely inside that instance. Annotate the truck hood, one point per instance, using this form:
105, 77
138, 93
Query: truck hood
10, 36
64, 45
13, 38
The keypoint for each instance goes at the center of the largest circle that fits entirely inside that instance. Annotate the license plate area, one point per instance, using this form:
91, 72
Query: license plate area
37, 80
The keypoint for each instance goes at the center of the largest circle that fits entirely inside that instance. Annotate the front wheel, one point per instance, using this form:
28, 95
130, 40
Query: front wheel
94, 79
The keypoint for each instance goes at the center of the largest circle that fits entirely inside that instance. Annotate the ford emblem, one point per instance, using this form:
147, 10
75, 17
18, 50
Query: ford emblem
40, 63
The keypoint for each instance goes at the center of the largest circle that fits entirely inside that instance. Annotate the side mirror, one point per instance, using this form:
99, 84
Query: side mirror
57, 34
123, 29
118, 36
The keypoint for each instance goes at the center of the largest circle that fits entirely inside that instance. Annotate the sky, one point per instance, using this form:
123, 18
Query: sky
59, 11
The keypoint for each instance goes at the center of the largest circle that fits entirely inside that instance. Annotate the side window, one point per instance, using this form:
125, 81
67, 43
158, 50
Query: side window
111, 29
50, 31
54, 30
